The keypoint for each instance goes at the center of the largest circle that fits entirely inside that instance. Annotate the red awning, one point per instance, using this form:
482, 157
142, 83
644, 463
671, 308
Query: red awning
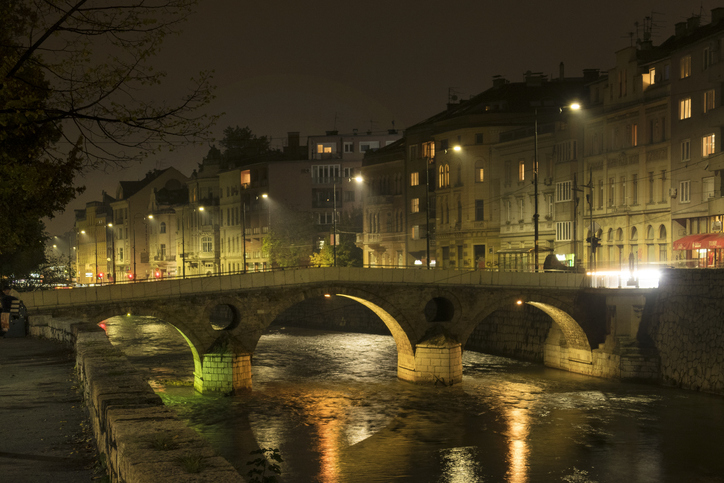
691, 242
702, 241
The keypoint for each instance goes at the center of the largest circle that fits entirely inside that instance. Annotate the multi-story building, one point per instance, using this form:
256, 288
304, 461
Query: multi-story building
384, 239
477, 159
131, 222
94, 262
197, 236
693, 71
163, 227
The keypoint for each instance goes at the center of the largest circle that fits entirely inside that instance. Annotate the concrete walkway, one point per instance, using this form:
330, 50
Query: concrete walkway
44, 432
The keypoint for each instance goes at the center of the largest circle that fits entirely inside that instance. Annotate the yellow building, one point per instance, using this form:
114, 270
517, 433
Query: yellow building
94, 263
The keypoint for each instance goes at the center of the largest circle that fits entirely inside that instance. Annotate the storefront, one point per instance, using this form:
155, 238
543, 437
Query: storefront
704, 250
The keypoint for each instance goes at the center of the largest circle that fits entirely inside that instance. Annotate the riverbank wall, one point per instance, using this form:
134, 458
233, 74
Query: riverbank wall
685, 323
140, 439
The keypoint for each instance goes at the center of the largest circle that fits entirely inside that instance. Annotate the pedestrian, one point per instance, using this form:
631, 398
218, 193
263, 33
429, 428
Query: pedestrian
6, 303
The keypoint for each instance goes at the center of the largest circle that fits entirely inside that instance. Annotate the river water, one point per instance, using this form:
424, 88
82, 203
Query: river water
331, 403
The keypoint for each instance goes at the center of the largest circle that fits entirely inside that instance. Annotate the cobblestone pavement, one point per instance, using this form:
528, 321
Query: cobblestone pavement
44, 432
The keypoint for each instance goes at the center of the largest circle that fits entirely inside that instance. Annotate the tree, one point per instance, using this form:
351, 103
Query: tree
241, 146
75, 92
289, 242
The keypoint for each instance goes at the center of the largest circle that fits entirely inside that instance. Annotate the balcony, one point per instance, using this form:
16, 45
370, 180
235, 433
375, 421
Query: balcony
165, 258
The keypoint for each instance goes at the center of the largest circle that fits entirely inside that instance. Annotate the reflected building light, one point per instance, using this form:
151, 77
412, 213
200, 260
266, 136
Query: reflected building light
518, 451
460, 465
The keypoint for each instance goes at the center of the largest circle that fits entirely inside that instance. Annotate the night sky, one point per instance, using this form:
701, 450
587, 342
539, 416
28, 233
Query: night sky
320, 65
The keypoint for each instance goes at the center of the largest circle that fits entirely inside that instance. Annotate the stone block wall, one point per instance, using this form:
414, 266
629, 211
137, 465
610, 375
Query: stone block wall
142, 441
438, 363
218, 372
518, 332
687, 328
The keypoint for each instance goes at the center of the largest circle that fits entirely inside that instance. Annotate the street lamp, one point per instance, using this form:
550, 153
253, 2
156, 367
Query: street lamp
573, 106
113, 251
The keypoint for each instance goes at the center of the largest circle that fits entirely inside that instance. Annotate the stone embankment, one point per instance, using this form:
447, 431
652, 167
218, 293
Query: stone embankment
686, 326
141, 440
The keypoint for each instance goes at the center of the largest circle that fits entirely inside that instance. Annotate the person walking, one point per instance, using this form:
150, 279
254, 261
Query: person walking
6, 303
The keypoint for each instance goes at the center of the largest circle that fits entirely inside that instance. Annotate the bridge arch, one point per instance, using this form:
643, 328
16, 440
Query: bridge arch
558, 310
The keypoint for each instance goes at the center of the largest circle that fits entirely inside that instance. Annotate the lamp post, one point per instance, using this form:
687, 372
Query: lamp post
574, 106
113, 251
183, 242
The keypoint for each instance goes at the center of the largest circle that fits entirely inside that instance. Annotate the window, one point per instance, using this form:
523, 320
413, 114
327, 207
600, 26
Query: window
508, 211
120, 253
611, 191
413, 151
521, 209
663, 184
705, 58
443, 144
479, 210
416, 232
600, 194
549, 203
508, 173
563, 191
651, 186
349, 196
685, 108
479, 174
415, 205
652, 75
428, 150
349, 147
325, 173
708, 146
325, 148
367, 145
634, 134
667, 72
479, 138
565, 151
685, 150
707, 188
521, 170
162, 227
447, 175
685, 66
685, 192
162, 251
207, 244
709, 100
349, 173
635, 183
623, 190
563, 231
415, 179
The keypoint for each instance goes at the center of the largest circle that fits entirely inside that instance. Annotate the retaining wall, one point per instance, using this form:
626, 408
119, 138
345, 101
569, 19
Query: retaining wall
142, 440
686, 326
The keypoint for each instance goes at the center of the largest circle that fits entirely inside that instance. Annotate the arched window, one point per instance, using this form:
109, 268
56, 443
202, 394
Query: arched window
662, 232
610, 235
619, 234
447, 175
162, 228
441, 177
634, 234
650, 233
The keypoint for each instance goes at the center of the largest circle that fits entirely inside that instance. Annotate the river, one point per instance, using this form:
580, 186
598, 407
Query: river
331, 403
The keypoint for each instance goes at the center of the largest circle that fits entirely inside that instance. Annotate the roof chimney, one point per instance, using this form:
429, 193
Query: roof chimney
561, 70
293, 140
692, 23
680, 29
717, 14
499, 81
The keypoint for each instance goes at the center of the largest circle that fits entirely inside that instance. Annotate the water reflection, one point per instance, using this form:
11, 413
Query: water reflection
333, 405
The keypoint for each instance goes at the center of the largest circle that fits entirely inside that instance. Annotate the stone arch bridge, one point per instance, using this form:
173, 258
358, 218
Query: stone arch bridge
430, 314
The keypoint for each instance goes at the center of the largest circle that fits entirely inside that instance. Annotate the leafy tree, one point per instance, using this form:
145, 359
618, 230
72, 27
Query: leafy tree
289, 242
74, 93
20, 266
241, 146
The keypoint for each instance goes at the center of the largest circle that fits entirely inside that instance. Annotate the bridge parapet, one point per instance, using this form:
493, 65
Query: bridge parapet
251, 281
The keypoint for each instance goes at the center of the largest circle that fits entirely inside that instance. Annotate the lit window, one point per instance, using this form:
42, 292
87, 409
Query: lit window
416, 232
479, 175
634, 134
685, 66
414, 178
708, 145
324, 148
685, 108
428, 150
415, 205
521, 170
709, 100
652, 75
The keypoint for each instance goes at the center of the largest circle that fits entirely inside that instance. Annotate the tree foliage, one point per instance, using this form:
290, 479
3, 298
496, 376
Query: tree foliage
239, 147
289, 242
75, 92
